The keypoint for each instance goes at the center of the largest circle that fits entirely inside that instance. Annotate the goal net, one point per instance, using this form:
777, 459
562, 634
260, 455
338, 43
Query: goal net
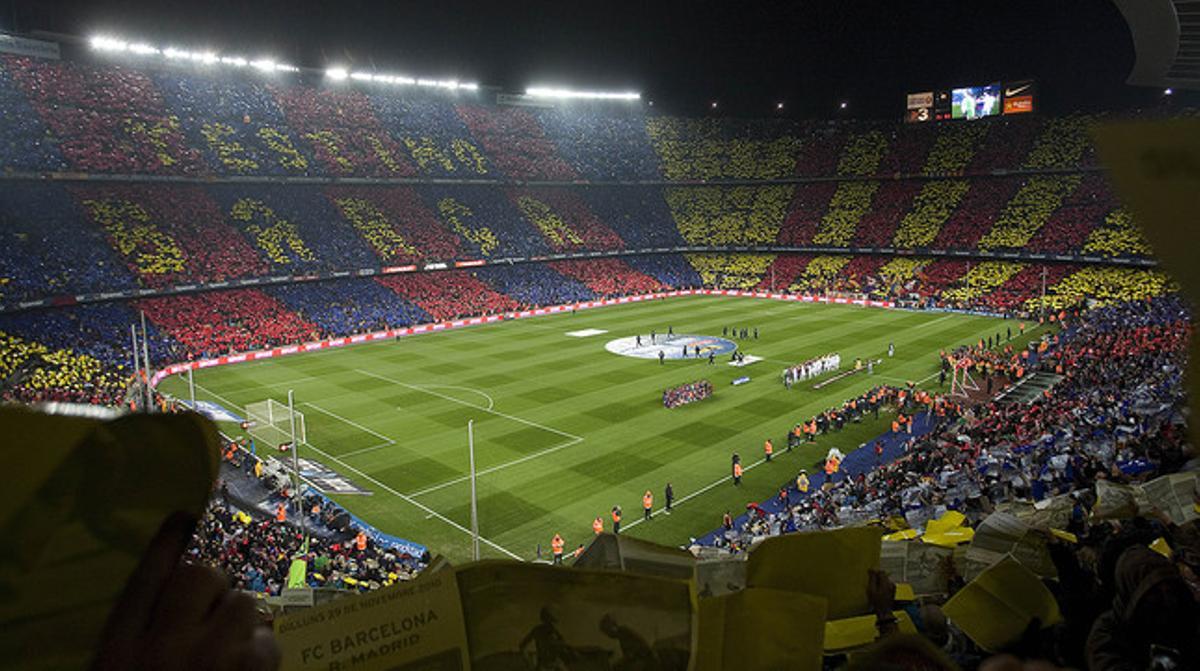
269, 422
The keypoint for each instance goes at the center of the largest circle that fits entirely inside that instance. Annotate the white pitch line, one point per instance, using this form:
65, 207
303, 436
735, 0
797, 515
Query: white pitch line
470, 405
411, 501
498, 467
355, 453
351, 422
429, 511
694, 494
491, 402
934, 321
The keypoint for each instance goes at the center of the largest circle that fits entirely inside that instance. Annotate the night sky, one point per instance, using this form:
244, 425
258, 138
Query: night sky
747, 55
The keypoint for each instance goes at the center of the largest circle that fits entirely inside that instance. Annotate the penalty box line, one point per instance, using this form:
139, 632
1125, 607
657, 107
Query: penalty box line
572, 439
417, 504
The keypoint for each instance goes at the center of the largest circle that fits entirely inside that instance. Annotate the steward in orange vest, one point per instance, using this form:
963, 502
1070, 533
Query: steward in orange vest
556, 547
737, 474
360, 541
616, 517
647, 504
598, 526
768, 449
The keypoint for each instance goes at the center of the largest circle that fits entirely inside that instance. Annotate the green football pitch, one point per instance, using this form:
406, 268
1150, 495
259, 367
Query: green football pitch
565, 429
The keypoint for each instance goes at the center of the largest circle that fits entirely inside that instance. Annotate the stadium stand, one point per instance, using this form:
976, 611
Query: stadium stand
449, 215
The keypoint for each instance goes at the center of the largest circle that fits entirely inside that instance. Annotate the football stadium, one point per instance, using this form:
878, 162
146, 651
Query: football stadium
313, 362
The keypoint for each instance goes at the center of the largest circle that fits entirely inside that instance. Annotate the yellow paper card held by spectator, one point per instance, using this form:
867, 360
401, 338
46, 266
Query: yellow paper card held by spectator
410, 625
1064, 535
903, 535
83, 501
748, 624
950, 520
995, 608
829, 564
852, 633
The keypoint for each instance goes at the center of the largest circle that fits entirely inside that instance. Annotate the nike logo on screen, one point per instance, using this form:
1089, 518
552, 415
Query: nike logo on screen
1013, 92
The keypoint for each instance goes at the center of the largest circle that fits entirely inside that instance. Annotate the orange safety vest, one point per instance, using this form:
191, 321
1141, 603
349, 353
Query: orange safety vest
556, 544
768, 447
831, 466
360, 541
598, 526
737, 470
647, 501
616, 516
281, 513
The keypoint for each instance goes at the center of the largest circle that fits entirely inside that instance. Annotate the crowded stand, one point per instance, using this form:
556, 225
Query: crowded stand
516, 143
731, 271
172, 235
239, 125
1079, 215
805, 213
820, 273
453, 294
50, 248
1027, 211
671, 270
434, 135
345, 135
971, 467
349, 307
953, 149
221, 322
609, 278
294, 229
24, 144
105, 119
877, 226
978, 208
783, 271
981, 279
704, 149
396, 223
920, 226
534, 284
737, 215
565, 220
1117, 236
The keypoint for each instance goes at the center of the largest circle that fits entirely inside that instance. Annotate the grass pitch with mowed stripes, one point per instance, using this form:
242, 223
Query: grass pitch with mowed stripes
564, 429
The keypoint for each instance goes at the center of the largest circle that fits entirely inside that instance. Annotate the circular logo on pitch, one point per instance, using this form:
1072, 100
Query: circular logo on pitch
672, 346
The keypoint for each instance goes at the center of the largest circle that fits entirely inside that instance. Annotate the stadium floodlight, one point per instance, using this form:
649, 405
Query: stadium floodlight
568, 94
102, 43
1167, 92
778, 106
107, 43
451, 84
843, 105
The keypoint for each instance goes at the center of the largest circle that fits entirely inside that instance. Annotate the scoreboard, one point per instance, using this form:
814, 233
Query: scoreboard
970, 102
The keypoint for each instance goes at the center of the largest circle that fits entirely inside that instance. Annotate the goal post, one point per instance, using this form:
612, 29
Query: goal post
270, 422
